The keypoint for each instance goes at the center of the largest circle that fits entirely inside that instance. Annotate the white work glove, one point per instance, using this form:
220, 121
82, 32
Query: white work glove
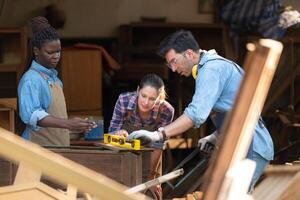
146, 137
208, 143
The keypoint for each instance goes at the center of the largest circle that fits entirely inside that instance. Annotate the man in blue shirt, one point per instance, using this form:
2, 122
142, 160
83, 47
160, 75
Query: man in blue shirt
217, 83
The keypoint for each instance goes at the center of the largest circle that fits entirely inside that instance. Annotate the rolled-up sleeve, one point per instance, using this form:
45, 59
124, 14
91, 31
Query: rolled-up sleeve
30, 107
207, 91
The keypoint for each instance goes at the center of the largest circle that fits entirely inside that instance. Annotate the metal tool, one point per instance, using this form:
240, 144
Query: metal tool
194, 166
120, 141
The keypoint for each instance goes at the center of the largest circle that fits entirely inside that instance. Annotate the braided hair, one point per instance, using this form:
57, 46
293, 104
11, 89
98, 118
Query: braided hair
41, 32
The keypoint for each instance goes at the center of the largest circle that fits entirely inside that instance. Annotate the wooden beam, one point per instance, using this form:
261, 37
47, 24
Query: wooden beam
280, 89
62, 169
27, 174
282, 182
237, 132
31, 190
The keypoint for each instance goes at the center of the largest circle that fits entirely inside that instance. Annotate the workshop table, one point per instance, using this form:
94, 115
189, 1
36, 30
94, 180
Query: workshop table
125, 166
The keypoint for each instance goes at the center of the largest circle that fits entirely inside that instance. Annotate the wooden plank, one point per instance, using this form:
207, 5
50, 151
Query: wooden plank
27, 174
179, 143
71, 192
236, 134
280, 89
82, 95
292, 191
282, 169
156, 181
282, 182
8, 67
87, 196
7, 118
271, 187
6, 172
124, 167
8, 106
8, 103
61, 169
32, 191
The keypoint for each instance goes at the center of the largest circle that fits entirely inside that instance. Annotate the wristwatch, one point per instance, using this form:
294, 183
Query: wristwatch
163, 133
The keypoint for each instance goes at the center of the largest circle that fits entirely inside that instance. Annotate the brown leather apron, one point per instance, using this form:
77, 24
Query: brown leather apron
53, 136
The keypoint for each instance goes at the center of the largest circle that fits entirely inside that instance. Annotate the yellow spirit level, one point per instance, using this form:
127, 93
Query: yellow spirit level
120, 141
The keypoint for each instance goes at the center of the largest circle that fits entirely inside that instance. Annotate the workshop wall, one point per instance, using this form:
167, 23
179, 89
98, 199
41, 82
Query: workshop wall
294, 3
100, 18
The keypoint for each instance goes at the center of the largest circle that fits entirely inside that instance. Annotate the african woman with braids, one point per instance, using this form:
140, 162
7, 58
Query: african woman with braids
41, 100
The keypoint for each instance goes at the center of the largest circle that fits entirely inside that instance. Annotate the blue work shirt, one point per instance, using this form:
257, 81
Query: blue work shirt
217, 83
34, 96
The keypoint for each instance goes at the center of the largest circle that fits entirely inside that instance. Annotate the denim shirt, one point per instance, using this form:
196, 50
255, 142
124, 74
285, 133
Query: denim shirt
217, 83
34, 96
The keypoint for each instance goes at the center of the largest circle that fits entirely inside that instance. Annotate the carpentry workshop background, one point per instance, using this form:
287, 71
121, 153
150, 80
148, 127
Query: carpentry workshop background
106, 56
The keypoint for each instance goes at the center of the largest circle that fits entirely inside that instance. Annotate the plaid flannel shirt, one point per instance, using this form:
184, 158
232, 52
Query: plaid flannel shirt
127, 102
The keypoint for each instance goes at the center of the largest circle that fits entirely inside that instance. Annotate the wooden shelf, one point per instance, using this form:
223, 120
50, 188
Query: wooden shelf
82, 85
138, 69
8, 107
9, 67
175, 25
13, 54
139, 42
11, 30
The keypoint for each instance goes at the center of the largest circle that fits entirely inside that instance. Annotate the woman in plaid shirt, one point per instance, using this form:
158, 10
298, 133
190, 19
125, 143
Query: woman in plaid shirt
145, 109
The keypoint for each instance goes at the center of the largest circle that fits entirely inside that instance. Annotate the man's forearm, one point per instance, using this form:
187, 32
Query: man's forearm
179, 126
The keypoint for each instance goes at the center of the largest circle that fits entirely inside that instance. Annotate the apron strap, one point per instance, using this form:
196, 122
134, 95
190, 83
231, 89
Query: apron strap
40, 73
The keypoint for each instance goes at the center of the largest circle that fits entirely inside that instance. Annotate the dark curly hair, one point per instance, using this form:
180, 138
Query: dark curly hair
180, 41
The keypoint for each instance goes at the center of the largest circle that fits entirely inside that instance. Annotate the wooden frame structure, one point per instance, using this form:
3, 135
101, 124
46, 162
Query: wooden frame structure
8, 106
37, 160
281, 183
237, 132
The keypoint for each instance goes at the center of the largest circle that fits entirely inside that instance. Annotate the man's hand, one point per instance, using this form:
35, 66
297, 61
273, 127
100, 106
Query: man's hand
208, 143
146, 137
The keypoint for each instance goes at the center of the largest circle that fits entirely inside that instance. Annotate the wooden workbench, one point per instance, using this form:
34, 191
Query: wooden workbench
127, 167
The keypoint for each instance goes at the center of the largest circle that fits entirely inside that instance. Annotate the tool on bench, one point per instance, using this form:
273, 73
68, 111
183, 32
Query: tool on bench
194, 166
120, 141
155, 181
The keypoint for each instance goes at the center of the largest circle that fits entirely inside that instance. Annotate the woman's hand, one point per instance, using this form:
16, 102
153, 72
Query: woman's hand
122, 133
84, 125
75, 124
